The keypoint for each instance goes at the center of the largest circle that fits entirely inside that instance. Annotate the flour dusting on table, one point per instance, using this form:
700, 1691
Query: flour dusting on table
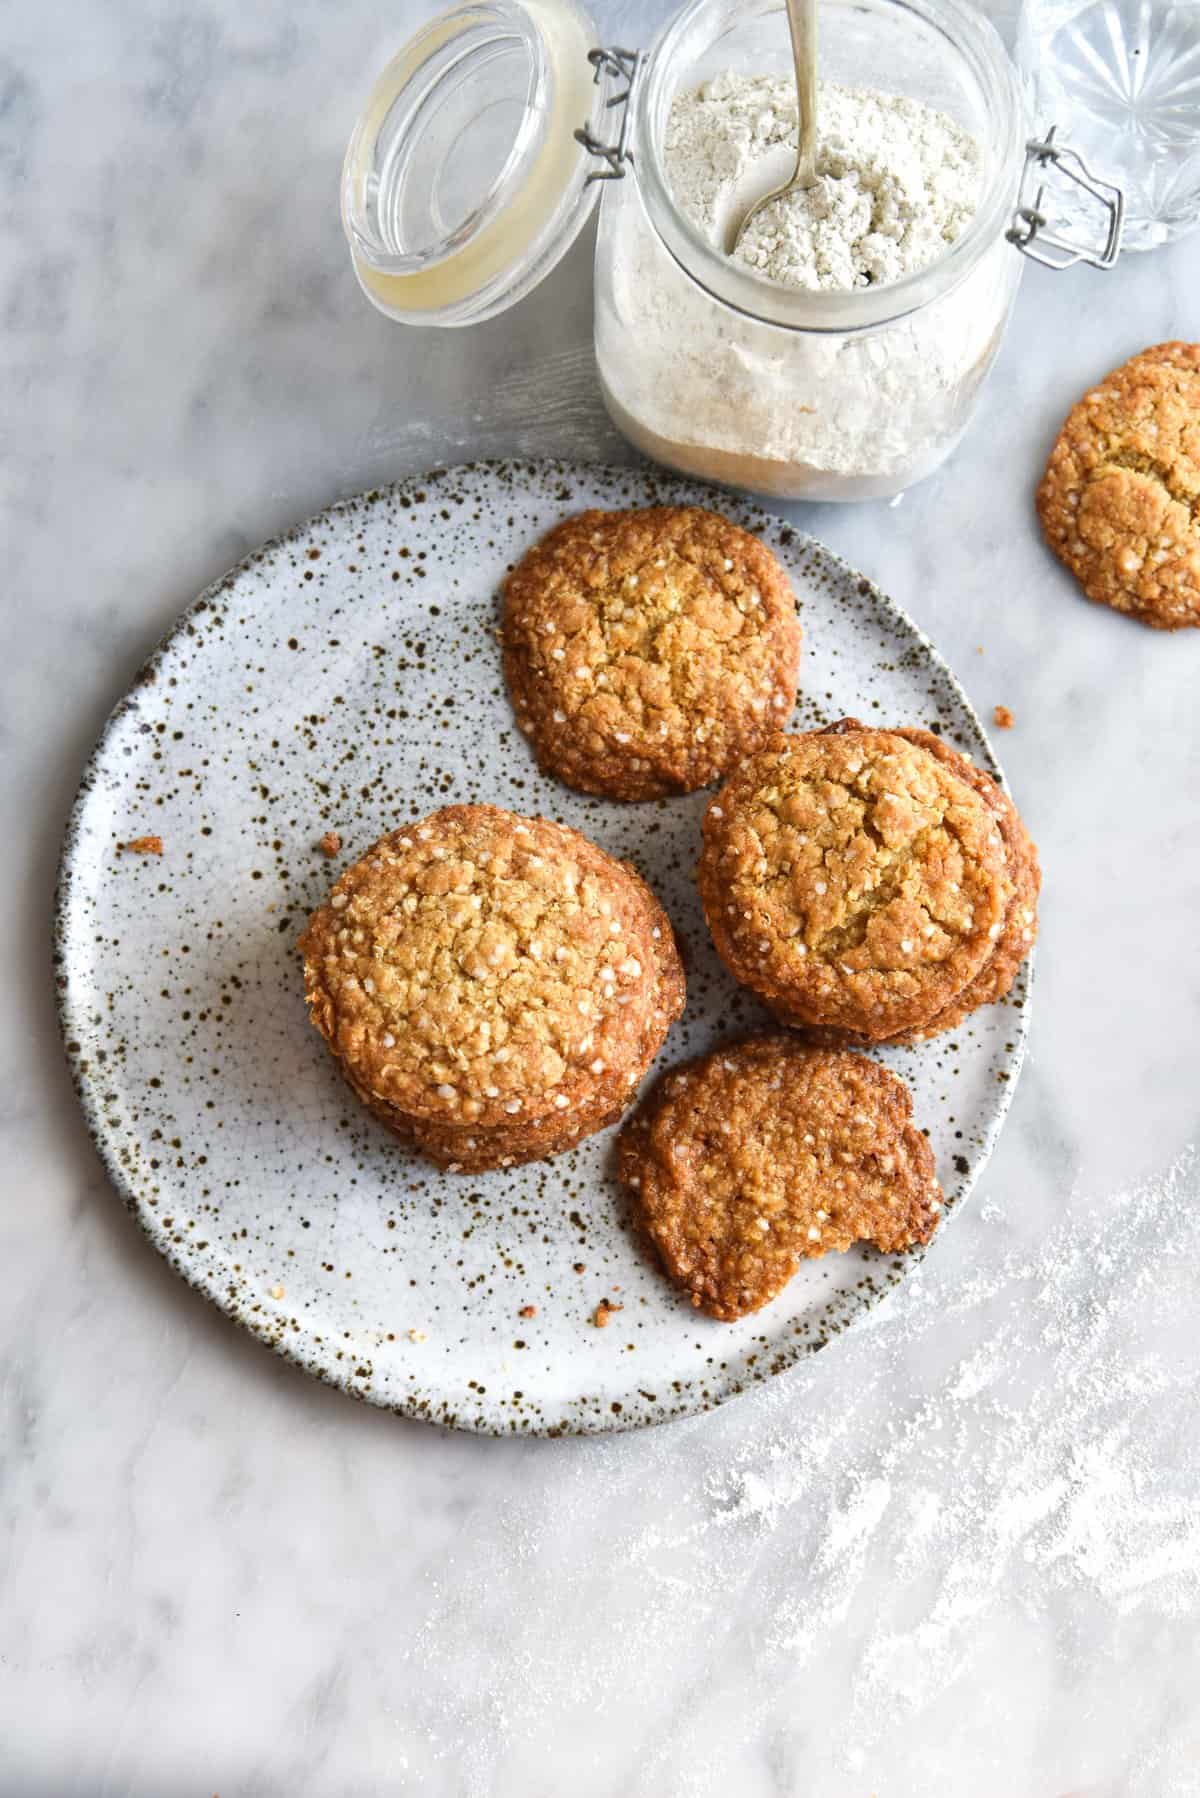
1027, 1455
868, 1523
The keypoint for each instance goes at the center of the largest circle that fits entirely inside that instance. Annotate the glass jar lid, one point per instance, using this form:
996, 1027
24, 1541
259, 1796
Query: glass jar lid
464, 181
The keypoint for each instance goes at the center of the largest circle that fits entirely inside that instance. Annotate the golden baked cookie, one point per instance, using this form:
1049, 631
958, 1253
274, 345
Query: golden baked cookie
1178, 355
1019, 932
854, 881
470, 1151
767, 1153
470, 1148
480, 972
647, 652
1120, 499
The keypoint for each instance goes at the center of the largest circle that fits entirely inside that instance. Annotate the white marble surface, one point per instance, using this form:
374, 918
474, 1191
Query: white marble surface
957, 1554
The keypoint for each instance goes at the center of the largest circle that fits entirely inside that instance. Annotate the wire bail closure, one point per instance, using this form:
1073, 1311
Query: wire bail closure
1031, 230
617, 66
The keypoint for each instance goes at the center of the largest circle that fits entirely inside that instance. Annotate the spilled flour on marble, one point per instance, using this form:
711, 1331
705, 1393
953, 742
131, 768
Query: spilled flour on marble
1065, 1482
863, 1537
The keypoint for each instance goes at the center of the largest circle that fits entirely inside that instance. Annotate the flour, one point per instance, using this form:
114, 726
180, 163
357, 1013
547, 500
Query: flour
896, 181
795, 412
1068, 1486
910, 1561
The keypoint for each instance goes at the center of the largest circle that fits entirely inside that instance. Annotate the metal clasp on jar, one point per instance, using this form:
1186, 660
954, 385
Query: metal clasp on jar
1032, 231
614, 66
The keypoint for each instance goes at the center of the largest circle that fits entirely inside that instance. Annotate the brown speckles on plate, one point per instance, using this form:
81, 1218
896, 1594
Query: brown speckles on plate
219, 1119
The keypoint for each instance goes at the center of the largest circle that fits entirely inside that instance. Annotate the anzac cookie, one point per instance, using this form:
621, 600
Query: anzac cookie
474, 1149
766, 1153
1120, 499
488, 977
469, 1148
854, 881
1178, 355
1017, 936
1019, 930
647, 652
473, 1152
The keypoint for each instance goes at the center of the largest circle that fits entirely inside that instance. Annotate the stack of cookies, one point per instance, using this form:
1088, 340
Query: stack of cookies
493, 987
870, 886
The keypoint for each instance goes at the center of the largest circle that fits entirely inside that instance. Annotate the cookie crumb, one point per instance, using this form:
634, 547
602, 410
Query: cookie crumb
1003, 717
603, 1312
277, 1292
527, 1311
142, 846
330, 844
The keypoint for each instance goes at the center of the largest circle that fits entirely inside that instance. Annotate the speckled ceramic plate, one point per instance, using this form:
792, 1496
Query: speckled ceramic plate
347, 676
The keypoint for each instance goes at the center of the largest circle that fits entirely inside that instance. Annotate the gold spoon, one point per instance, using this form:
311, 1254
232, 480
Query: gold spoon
802, 24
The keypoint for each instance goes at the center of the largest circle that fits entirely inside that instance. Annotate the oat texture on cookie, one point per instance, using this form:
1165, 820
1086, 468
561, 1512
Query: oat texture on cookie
1119, 501
1017, 934
492, 986
854, 880
766, 1153
646, 652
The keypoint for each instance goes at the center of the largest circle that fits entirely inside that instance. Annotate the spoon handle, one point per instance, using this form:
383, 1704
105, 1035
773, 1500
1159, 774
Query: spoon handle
802, 24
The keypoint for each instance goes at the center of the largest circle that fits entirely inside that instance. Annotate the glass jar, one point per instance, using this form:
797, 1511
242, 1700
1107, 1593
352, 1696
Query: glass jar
486, 141
807, 395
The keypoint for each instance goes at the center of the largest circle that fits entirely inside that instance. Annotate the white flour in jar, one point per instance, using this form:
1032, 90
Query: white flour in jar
896, 181
839, 415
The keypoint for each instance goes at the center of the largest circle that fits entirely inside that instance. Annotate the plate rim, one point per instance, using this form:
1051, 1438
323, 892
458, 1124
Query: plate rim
692, 1403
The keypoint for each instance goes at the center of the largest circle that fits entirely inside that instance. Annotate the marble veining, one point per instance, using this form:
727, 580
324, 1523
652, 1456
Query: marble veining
959, 1552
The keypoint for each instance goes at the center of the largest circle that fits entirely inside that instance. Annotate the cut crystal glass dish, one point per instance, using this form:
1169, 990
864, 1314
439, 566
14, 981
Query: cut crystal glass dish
1121, 81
